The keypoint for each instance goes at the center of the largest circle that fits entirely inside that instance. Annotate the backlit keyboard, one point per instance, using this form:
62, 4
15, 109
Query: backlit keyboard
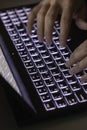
45, 64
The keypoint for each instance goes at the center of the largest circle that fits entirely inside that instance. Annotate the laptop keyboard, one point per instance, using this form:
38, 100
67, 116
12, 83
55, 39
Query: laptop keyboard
45, 64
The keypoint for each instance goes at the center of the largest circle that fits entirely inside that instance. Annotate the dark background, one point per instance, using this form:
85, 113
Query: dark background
7, 120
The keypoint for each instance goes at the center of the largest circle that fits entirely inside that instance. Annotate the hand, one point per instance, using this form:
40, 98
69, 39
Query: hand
79, 58
47, 12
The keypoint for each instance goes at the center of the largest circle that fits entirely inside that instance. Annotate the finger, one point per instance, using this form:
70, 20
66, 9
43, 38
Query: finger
49, 22
40, 21
32, 16
78, 54
84, 78
79, 66
82, 17
65, 24
81, 24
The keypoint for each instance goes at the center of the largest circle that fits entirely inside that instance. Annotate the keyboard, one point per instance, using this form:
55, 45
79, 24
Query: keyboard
44, 64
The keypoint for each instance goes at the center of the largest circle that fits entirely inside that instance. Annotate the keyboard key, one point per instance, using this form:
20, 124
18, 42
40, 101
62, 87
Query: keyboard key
42, 49
53, 88
85, 87
55, 71
61, 103
62, 84
60, 61
42, 90
81, 95
38, 83
66, 73
75, 86
49, 105
25, 58
51, 65
53, 50
29, 64
19, 26
64, 68
30, 47
57, 95
17, 42
23, 53
39, 64
48, 60
45, 97
56, 56
12, 32
13, 37
3, 14
65, 51
45, 54
71, 99
22, 32
35, 76
58, 77
20, 47
9, 26
33, 52
56, 41
49, 82
32, 70
19, 11
27, 42
36, 58
79, 75
43, 69
66, 91
71, 80
46, 75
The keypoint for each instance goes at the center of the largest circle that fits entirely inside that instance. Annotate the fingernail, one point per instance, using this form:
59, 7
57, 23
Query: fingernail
62, 43
71, 71
49, 42
28, 30
40, 39
82, 80
67, 64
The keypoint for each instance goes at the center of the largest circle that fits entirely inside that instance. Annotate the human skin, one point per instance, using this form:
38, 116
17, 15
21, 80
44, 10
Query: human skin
46, 12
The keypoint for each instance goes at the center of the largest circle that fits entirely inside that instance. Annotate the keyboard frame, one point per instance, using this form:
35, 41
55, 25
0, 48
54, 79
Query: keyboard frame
16, 62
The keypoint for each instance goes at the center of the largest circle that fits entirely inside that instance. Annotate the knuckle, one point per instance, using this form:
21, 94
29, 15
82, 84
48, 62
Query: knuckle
65, 19
45, 3
41, 13
32, 13
49, 15
54, 3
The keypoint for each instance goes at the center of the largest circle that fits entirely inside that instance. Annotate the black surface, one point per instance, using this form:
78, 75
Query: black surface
20, 108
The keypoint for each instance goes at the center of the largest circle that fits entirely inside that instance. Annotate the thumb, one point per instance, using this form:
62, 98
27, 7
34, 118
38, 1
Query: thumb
81, 18
81, 24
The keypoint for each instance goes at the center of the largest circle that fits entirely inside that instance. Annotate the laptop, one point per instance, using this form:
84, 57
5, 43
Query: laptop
36, 72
